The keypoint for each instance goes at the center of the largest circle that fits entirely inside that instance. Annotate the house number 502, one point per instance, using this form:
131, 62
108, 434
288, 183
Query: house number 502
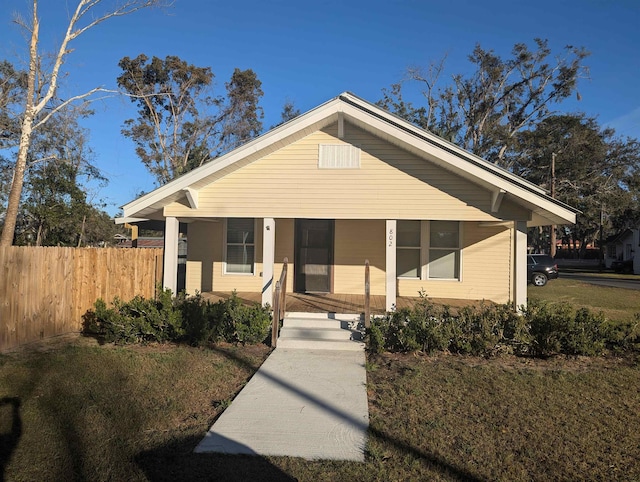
390, 237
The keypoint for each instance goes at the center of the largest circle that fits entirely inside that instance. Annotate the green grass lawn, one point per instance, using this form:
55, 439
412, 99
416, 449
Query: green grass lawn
75, 410
80, 411
617, 304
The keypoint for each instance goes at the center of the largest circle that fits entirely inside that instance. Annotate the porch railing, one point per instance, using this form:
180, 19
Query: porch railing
279, 303
367, 295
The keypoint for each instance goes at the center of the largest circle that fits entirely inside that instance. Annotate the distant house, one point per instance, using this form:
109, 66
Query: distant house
345, 182
145, 242
622, 248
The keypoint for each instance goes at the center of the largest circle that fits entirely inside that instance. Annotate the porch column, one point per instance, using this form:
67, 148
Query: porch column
520, 264
268, 259
170, 272
390, 268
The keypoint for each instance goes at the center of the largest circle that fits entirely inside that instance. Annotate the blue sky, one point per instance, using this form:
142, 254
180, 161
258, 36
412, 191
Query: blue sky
311, 52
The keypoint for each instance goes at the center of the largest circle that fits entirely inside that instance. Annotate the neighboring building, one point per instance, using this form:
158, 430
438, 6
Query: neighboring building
622, 248
147, 242
345, 182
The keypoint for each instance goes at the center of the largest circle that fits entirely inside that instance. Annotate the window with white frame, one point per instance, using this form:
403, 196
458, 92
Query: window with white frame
444, 250
408, 249
240, 245
611, 251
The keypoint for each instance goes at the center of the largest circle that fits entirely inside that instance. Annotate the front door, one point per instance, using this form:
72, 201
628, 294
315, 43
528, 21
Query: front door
314, 255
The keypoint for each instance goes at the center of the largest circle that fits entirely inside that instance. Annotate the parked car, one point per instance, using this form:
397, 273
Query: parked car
540, 269
625, 266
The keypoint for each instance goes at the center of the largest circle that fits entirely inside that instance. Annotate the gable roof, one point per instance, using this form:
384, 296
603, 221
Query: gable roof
371, 118
619, 237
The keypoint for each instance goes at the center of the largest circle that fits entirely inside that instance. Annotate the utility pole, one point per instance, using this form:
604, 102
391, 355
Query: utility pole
601, 265
552, 236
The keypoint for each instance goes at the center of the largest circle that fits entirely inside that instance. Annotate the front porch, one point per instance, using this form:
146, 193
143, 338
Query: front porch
335, 303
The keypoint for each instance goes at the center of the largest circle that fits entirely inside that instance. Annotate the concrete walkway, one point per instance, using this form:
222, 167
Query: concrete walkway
309, 403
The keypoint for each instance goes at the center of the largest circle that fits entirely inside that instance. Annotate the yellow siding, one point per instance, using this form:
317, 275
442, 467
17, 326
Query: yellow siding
486, 267
204, 245
193, 282
205, 260
390, 184
284, 249
486, 261
355, 241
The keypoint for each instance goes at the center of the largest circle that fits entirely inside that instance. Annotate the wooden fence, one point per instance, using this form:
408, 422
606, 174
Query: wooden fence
45, 291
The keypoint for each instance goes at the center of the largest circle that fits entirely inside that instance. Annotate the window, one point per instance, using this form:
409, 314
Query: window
444, 250
408, 250
428, 250
240, 245
611, 251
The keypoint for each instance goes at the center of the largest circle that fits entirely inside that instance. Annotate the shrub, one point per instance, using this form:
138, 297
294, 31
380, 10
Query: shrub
228, 320
375, 337
252, 323
558, 329
545, 327
622, 337
136, 321
192, 319
204, 322
393, 332
540, 330
585, 334
429, 326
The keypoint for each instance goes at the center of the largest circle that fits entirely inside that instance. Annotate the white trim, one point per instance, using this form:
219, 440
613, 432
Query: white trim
315, 119
192, 197
520, 264
449, 157
128, 220
496, 199
170, 261
391, 235
495, 224
386, 126
268, 259
424, 253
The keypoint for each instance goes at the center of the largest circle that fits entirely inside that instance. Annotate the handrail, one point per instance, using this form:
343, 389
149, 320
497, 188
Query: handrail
279, 303
367, 295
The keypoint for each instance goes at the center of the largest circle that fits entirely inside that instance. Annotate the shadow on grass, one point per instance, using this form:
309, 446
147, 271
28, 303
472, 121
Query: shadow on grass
9, 441
177, 461
400, 445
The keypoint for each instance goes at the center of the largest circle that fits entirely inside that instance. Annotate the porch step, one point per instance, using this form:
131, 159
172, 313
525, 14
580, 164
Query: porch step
320, 331
314, 333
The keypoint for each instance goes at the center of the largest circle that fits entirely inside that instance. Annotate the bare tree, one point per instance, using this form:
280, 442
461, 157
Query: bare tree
41, 102
483, 112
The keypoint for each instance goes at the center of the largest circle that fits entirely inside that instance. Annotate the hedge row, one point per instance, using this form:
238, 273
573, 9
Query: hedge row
180, 319
542, 329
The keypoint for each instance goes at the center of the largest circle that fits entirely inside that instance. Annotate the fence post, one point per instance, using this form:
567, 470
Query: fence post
276, 315
283, 287
367, 295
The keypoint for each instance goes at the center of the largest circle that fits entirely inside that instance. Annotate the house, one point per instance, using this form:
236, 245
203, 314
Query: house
342, 183
622, 248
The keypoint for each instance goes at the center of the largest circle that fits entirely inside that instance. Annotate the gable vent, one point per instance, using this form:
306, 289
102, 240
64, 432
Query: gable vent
338, 156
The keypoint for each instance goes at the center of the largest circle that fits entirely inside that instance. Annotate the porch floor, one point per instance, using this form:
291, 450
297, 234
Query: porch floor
335, 303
